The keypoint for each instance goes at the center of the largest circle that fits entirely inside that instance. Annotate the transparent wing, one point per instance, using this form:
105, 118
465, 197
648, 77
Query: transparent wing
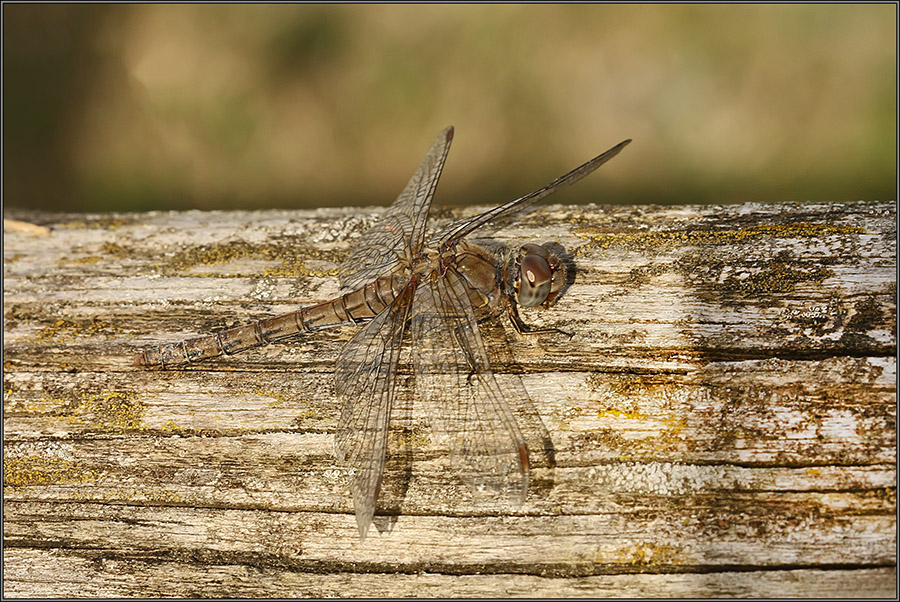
464, 402
463, 228
401, 231
364, 380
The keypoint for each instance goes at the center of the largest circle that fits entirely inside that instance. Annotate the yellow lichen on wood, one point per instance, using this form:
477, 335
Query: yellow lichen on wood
414, 438
69, 330
21, 472
649, 554
777, 277
645, 240
115, 411
90, 259
291, 261
95, 223
169, 426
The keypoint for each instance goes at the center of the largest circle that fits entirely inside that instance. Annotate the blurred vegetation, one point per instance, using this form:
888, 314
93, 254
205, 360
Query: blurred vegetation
134, 107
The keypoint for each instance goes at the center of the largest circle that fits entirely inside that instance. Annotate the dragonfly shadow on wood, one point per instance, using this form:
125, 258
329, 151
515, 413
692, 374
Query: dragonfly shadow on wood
430, 293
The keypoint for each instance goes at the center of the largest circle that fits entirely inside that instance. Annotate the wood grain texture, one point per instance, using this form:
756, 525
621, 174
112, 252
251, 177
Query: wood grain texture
721, 412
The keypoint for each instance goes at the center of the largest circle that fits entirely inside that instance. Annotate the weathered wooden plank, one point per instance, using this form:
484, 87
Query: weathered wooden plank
694, 533
725, 402
803, 413
47, 572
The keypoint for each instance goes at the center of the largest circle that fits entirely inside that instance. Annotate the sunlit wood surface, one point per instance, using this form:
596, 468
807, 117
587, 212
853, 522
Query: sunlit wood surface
721, 413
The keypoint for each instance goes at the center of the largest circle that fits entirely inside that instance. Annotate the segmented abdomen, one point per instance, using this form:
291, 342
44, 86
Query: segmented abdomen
357, 306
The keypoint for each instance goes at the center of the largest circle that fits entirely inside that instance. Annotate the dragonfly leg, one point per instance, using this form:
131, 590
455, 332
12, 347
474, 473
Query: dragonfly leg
523, 328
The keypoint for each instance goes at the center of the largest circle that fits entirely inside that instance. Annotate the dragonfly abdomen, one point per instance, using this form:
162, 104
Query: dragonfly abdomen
360, 305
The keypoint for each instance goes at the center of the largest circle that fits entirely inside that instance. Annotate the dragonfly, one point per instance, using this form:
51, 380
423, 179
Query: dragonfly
406, 285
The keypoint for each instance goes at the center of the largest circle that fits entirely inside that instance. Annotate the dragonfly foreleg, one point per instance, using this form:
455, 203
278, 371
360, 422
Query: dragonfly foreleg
522, 328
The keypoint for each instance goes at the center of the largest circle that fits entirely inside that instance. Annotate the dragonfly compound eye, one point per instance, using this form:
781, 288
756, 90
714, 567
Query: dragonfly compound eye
535, 279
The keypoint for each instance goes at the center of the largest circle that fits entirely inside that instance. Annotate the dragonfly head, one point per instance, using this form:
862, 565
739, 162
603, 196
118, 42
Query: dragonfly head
538, 276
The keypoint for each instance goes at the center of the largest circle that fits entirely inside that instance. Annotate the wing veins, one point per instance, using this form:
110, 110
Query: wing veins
461, 395
467, 226
365, 380
401, 230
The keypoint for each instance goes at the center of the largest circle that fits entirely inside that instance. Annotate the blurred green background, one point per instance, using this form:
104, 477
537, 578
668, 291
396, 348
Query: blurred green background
134, 107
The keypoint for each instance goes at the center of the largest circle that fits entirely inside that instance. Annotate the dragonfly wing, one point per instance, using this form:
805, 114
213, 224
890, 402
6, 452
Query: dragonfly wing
463, 400
364, 380
401, 231
464, 227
